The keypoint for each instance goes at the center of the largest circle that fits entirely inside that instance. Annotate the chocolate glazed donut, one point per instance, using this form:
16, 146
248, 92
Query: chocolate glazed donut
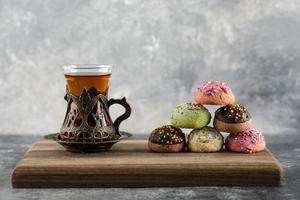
232, 119
167, 139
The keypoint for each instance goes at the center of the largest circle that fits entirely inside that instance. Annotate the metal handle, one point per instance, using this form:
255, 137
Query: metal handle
124, 116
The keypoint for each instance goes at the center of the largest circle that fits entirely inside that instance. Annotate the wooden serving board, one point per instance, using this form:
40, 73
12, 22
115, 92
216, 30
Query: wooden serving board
130, 164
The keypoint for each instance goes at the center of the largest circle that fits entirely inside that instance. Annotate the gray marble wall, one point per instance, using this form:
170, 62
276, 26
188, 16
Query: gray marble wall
161, 51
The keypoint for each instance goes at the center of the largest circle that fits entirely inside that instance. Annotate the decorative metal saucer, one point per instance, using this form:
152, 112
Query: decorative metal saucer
87, 147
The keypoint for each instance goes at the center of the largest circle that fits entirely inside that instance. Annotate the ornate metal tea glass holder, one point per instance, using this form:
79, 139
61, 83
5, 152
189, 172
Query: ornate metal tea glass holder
87, 126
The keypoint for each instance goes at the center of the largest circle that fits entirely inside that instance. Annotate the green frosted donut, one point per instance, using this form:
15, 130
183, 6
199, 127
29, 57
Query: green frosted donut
189, 115
206, 139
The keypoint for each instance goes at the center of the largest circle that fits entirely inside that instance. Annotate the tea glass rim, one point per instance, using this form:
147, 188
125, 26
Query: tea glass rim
87, 69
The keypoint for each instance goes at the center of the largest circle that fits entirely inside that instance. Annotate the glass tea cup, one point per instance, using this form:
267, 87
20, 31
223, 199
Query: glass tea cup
87, 125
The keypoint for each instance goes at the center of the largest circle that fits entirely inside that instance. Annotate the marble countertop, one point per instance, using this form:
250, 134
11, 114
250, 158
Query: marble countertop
286, 149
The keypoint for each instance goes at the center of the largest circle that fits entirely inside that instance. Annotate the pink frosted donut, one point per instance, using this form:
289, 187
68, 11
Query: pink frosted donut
214, 93
248, 141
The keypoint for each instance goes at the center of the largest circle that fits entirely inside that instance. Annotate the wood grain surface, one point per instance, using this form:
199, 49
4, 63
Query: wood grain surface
130, 164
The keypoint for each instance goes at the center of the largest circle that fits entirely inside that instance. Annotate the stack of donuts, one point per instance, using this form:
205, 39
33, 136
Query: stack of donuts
230, 117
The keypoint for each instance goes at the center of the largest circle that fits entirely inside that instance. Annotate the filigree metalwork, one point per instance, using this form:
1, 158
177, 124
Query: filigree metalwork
87, 119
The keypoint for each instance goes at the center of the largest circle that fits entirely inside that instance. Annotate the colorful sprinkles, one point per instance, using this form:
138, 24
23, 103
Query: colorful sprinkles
167, 134
193, 106
235, 113
245, 140
213, 88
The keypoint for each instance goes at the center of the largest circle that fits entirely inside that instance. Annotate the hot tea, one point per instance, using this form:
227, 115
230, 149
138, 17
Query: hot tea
76, 84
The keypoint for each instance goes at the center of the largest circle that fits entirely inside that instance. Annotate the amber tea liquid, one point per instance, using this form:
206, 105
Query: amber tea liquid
76, 83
